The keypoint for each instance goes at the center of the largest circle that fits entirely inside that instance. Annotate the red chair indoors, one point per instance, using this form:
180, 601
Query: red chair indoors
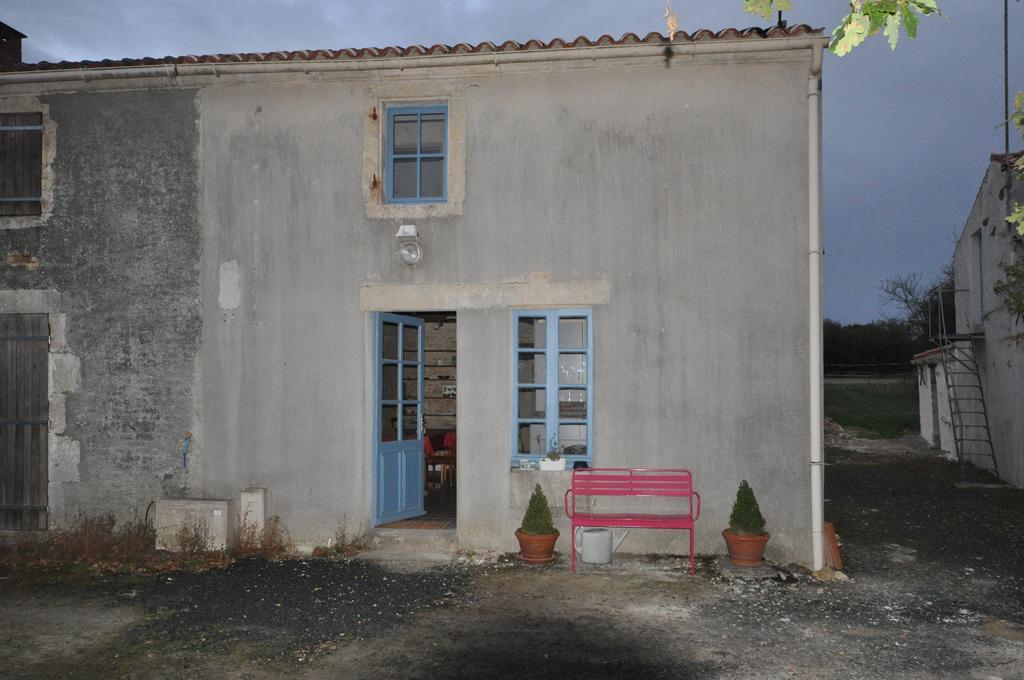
439, 453
449, 441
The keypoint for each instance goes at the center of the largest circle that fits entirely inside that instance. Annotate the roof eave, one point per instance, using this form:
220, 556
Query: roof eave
185, 67
553, 46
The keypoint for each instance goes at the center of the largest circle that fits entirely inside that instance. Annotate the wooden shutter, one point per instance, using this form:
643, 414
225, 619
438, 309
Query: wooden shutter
21, 163
24, 412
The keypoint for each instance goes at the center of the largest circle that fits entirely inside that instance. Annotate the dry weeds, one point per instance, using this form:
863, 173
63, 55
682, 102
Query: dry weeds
98, 544
272, 542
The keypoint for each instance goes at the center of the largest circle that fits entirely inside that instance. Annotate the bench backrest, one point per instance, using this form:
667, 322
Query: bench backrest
631, 482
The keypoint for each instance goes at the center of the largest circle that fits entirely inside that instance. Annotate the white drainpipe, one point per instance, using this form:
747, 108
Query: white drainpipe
814, 280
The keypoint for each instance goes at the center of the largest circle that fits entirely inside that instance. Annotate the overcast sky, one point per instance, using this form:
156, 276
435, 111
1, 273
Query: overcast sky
907, 134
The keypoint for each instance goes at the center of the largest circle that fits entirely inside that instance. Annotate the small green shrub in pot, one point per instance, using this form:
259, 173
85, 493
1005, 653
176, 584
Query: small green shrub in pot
537, 519
538, 534
746, 518
746, 538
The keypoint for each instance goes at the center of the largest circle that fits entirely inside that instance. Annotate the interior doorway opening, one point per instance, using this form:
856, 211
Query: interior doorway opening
428, 386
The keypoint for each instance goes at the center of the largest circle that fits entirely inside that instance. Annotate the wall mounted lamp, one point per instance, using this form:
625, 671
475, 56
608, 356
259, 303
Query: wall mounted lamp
409, 250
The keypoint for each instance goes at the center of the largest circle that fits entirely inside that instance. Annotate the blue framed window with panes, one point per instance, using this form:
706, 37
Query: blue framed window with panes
416, 141
554, 385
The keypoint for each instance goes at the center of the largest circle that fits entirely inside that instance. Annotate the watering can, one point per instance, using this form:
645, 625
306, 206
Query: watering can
597, 545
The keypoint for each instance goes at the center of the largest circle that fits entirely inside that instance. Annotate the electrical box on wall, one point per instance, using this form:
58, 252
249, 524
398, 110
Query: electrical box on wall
217, 519
252, 509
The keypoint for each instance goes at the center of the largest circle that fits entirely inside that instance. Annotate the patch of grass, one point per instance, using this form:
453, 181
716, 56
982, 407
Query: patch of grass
878, 409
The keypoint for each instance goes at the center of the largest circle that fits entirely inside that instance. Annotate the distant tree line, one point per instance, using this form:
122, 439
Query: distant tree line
884, 346
887, 345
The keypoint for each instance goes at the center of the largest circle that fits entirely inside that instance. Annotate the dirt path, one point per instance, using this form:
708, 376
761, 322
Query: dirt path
528, 623
935, 590
62, 625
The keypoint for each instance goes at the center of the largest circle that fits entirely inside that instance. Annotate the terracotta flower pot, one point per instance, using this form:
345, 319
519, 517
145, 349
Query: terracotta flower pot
745, 551
536, 548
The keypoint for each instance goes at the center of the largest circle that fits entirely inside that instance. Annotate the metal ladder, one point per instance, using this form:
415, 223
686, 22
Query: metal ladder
971, 434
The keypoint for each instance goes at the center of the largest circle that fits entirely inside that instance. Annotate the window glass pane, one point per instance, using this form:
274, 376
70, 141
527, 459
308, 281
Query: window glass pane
410, 343
404, 178
432, 178
410, 417
410, 383
432, 133
572, 368
389, 382
532, 367
572, 333
532, 403
388, 423
389, 337
532, 332
572, 439
532, 439
572, 404
404, 134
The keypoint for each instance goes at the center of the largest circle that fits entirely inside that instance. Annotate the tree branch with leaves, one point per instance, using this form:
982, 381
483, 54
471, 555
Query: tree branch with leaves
866, 18
1016, 216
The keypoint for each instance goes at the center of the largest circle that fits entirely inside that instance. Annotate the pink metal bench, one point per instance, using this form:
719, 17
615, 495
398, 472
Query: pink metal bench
632, 482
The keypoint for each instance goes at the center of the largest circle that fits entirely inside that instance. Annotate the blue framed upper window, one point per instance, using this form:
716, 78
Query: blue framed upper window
554, 384
417, 154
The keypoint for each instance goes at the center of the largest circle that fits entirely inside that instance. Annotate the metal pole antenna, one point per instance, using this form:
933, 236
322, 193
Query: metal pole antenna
1006, 78
1006, 107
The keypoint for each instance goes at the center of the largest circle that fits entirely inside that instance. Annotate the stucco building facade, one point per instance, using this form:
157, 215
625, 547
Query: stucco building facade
987, 242
618, 230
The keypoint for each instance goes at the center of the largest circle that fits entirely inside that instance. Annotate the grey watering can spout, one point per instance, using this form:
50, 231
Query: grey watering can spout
597, 545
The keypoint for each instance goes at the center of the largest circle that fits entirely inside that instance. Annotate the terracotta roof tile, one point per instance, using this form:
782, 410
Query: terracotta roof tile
420, 50
1001, 158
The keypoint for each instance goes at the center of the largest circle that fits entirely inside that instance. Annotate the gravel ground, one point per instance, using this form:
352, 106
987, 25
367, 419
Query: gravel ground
935, 589
270, 614
297, 604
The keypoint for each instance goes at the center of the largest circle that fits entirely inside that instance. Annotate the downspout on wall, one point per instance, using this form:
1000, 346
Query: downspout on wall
814, 262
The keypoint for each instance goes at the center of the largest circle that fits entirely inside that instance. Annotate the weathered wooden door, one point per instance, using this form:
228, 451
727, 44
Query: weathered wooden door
24, 411
398, 454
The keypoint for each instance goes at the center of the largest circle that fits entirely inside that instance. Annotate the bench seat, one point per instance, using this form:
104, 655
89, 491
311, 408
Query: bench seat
652, 521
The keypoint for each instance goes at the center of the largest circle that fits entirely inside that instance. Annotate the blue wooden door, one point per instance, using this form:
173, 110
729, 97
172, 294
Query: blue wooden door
398, 428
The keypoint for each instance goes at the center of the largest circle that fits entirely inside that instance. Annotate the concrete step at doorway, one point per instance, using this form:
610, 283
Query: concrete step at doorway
417, 545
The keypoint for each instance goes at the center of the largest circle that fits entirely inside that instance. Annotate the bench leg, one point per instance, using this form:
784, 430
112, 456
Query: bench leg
572, 547
693, 565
